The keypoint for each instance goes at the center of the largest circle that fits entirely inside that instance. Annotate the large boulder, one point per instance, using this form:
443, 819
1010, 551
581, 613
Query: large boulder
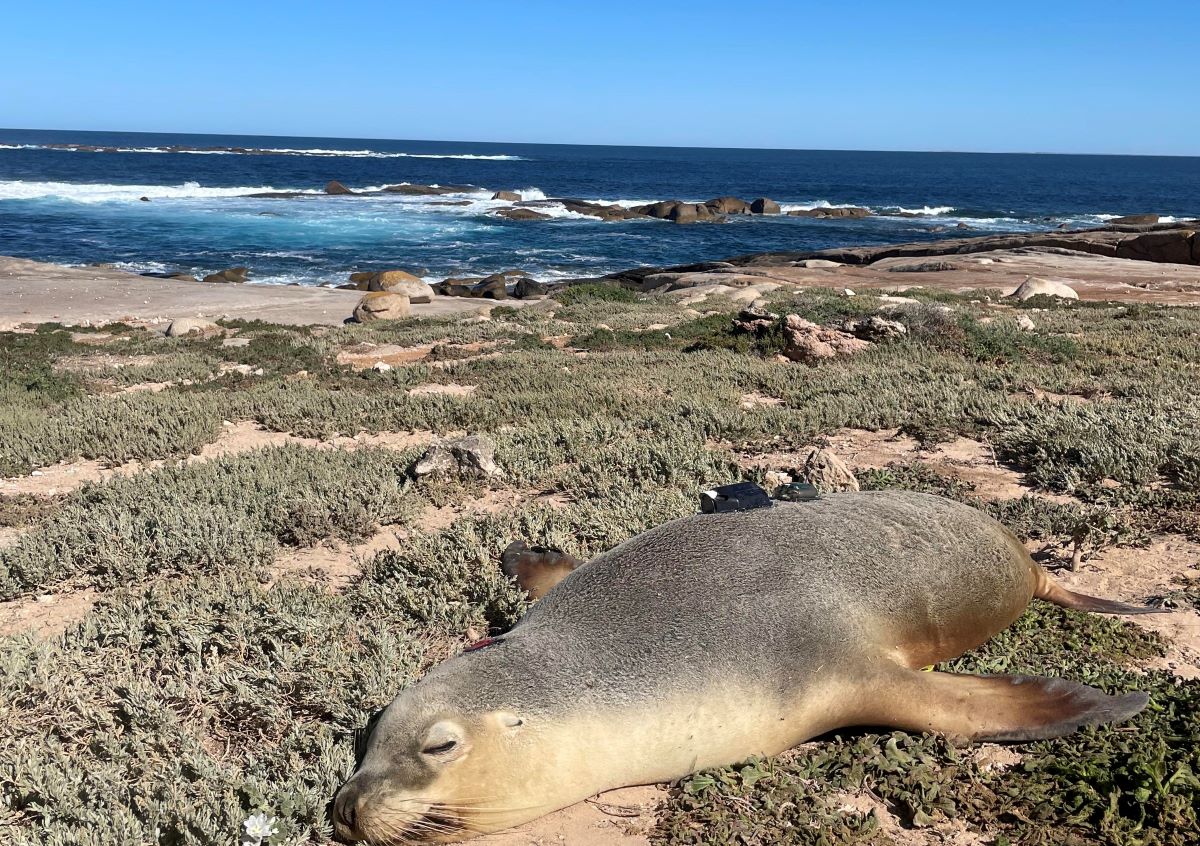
382, 305
183, 326
336, 188
450, 288
728, 205
470, 457
507, 196
764, 206
1033, 287
529, 289
1135, 220
494, 287
233, 274
662, 209
809, 343
401, 282
1178, 246
521, 214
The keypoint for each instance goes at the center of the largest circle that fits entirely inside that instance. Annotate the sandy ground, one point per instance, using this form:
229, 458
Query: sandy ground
36, 292
1092, 277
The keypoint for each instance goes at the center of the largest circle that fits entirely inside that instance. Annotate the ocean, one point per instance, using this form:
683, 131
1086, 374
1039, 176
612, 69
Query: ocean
64, 202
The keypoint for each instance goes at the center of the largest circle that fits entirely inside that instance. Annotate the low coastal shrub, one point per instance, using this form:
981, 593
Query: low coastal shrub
224, 514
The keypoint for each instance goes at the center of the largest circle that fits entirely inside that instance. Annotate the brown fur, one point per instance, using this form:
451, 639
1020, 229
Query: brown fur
714, 638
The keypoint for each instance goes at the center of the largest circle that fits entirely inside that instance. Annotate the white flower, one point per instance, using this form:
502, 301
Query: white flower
259, 827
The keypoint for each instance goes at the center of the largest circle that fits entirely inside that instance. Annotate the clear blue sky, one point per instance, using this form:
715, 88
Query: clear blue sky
1064, 76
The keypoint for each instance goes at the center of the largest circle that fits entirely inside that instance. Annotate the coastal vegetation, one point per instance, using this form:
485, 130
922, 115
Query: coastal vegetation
215, 672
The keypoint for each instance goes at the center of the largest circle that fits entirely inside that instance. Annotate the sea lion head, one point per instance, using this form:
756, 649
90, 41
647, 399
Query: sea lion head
429, 771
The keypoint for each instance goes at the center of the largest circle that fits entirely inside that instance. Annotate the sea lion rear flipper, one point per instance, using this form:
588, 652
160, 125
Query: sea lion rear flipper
536, 569
1052, 591
996, 708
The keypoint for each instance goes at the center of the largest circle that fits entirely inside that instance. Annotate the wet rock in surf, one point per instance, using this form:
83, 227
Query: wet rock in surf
230, 275
521, 214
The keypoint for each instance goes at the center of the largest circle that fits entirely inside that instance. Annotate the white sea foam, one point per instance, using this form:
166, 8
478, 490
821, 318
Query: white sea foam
106, 193
260, 151
931, 211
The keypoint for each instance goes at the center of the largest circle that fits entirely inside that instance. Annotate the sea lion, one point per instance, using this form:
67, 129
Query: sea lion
709, 640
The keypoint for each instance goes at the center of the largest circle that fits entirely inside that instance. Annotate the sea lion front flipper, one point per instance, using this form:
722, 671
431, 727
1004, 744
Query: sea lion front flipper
995, 708
536, 569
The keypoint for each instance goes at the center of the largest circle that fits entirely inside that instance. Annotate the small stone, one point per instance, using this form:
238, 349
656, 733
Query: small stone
472, 456
1025, 324
381, 367
827, 472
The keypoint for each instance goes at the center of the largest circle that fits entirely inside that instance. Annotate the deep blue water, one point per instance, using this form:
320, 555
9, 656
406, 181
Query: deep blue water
78, 207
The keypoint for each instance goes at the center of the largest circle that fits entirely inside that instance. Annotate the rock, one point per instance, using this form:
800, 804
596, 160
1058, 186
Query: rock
529, 289
424, 190
846, 292
473, 456
764, 206
888, 302
1180, 246
600, 210
336, 188
808, 343
1025, 324
233, 274
728, 205
507, 196
401, 282
183, 326
144, 199
381, 367
382, 305
827, 473
923, 267
449, 288
1134, 220
520, 214
1033, 286
494, 287
817, 263
961, 225
832, 212
875, 328
677, 211
511, 274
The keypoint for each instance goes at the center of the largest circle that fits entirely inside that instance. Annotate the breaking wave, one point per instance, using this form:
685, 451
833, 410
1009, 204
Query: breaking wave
262, 151
106, 193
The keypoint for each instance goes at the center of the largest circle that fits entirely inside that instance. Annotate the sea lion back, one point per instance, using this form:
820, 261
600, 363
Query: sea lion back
851, 567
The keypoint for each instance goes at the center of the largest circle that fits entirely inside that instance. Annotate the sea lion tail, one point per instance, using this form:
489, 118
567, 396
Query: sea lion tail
1051, 591
995, 708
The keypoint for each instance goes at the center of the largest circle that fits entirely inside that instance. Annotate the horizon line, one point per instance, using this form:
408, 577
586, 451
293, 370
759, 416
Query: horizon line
615, 146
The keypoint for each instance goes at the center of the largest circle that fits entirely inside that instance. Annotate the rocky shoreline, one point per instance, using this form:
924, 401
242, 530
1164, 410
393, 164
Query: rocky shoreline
1150, 262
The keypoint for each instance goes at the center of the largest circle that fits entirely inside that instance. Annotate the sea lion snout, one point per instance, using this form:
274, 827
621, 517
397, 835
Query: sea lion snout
427, 776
